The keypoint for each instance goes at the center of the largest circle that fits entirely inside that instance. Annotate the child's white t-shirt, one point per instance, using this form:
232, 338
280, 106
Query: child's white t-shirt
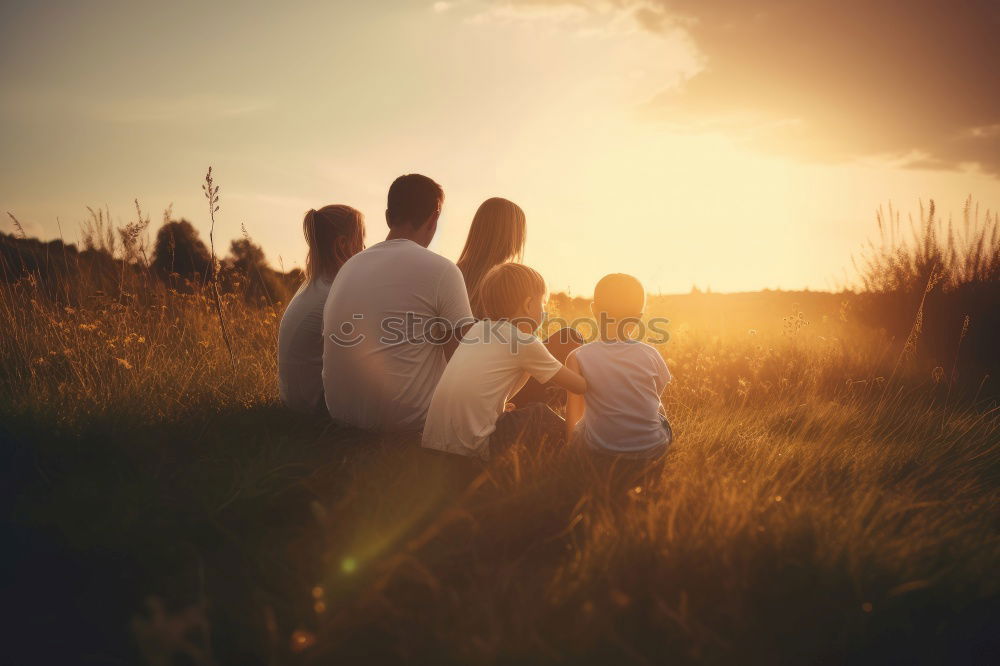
492, 362
624, 383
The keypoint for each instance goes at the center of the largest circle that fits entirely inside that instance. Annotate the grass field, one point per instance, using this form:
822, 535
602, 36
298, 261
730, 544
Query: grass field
831, 497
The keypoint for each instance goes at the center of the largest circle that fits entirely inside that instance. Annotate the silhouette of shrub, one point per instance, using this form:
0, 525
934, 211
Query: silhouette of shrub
180, 253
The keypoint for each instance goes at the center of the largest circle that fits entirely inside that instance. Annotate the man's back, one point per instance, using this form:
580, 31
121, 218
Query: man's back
379, 368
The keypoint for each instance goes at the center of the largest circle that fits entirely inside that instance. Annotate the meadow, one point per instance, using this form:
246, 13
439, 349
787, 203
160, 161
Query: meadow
831, 496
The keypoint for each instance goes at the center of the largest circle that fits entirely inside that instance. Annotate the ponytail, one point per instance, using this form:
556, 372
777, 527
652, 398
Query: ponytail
333, 235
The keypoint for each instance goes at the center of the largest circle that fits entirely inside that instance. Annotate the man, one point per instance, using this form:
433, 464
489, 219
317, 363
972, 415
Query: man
392, 313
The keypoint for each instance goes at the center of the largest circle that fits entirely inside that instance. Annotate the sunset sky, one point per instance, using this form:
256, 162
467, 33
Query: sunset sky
725, 144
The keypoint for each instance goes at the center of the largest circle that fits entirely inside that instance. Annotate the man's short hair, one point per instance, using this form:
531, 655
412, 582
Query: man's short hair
505, 287
619, 295
412, 200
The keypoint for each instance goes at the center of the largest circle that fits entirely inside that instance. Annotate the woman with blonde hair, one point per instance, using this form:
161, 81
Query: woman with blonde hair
333, 234
496, 237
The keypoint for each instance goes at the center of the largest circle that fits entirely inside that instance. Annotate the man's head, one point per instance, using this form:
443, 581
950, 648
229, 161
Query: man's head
618, 298
414, 205
514, 292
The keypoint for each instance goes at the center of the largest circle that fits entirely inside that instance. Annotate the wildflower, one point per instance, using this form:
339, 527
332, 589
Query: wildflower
124, 363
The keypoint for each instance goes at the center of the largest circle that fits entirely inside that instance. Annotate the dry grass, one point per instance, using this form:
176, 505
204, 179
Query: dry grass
812, 509
828, 499
903, 258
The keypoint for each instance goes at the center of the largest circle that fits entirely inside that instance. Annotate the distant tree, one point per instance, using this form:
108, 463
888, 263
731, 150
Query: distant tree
246, 255
292, 280
179, 250
247, 266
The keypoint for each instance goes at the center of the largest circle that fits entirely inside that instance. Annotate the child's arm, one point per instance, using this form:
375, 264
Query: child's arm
570, 379
575, 406
538, 362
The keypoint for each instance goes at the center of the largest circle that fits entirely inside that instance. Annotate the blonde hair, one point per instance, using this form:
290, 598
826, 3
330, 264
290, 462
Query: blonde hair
506, 286
497, 235
323, 228
619, 295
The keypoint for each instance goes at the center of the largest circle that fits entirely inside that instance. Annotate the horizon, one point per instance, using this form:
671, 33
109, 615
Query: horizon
629, 132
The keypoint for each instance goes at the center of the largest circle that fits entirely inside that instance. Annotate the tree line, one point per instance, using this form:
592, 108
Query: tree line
115, 260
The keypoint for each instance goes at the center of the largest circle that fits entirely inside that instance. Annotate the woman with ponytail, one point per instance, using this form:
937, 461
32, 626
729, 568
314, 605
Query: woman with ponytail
333, 234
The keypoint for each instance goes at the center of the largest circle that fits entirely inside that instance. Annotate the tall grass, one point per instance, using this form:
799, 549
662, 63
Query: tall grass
935, 283
828, 499
906, 257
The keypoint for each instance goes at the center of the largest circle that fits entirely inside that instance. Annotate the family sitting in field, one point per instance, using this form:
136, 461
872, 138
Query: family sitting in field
398, 338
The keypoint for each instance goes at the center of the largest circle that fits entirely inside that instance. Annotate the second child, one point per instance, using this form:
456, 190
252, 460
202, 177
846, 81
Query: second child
496, 356
621, 415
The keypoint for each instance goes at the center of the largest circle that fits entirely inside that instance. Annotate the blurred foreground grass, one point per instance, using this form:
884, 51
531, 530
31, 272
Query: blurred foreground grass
831, 497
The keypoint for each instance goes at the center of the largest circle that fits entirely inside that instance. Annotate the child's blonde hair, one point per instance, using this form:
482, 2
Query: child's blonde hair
496, 236
619, 295
505, 287
324, 229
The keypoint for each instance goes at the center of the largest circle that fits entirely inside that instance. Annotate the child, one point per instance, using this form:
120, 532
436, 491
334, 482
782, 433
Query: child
497, 355
622, 413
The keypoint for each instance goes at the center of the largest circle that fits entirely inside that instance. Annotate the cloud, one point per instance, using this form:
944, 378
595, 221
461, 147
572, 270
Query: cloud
913, 81
553, 11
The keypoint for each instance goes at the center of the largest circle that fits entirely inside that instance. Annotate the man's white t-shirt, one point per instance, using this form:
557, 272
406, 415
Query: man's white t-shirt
386, 307
492, 362
300, 348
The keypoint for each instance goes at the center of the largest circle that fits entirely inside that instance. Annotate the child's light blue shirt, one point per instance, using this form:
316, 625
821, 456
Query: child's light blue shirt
624, 383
